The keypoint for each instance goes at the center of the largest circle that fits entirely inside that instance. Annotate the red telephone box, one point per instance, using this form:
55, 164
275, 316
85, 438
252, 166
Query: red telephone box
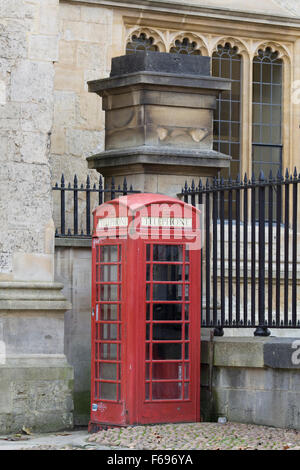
145, 312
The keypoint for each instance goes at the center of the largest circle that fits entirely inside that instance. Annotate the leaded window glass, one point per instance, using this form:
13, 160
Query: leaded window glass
185, 47
267, 112
140, 43
227, 63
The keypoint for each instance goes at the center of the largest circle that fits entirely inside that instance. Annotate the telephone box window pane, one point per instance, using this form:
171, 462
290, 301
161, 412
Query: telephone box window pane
109, 292
186, 353
167, 253
148, 291
186, 332
147, 371
109, 331
147, 397
108, 391
167, 291
186, 391
108, 371
166, 370
147, 352
167, 272
148, 252
166, 391
109, 254
167, 311
148, 312
186, 370
109, 351
109, 312
109, 273
186, 309
166, 351
166, 331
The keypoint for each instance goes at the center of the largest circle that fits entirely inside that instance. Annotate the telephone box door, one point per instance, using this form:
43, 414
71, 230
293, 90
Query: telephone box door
170, 383
107, 325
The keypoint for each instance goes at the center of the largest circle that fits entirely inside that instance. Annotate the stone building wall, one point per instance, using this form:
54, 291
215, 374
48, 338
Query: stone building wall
35, 379
28, 48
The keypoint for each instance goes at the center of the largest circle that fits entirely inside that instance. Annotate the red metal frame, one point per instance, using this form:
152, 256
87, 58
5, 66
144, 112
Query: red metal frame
173, 384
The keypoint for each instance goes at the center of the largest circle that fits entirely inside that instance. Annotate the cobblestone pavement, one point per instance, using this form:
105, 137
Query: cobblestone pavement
199, 436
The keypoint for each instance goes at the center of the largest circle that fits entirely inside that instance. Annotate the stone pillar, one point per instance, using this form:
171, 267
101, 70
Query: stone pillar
35, 378
159, 121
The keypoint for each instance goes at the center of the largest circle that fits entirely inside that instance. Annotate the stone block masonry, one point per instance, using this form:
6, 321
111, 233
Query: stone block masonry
36, 381
253, 380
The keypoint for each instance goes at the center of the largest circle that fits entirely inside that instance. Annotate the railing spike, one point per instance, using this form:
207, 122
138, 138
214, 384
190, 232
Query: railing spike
279, 174
287, 174
295, 172
261, 176
270, 175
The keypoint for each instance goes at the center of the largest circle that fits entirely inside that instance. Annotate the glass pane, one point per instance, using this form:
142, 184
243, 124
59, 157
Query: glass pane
186, 351
167, 253
109, 351
109, 254
109, 292
148, 309
186, 391
147, 352
108, 371
166, 370
165, 331
147, 392
167, 351
109, 312
167, 272
108, 391
186, 370
147, 372
186, 334
109, 331
186, 308
109, 273
167, 291
166, 391
167, 311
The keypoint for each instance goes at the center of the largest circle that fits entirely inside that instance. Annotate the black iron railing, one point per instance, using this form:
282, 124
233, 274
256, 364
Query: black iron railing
250, 256
76, 203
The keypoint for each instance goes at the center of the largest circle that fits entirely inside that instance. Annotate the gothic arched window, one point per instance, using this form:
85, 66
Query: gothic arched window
267, 112
140, 43
185, 47
227, 63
